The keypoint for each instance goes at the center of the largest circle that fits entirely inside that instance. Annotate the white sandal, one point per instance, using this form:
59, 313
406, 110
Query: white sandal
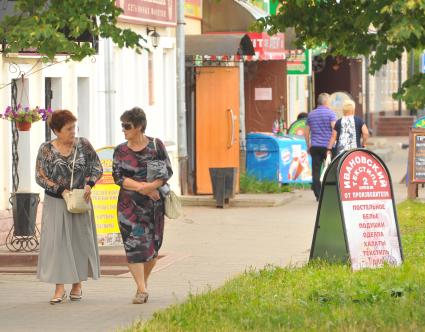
76, 297
57, 300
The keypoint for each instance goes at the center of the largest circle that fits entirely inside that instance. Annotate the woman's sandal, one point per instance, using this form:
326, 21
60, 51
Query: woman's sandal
140, 298
57, 300
76, 297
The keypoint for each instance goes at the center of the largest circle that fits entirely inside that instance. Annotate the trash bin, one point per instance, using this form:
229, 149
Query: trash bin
223, 181
24, 209
282, 159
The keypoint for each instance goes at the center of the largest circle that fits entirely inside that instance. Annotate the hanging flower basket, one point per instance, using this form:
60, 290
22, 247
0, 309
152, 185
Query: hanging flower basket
23, 126
25, 116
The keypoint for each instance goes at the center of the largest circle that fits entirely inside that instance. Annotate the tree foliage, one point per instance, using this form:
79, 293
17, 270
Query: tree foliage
52, 26
379, 29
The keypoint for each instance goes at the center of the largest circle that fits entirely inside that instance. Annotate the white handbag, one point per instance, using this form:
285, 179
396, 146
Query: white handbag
172, 205
172, 202
74, 199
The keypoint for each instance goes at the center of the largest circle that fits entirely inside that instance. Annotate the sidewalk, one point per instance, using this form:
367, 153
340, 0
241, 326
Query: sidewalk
209, 245
203, 249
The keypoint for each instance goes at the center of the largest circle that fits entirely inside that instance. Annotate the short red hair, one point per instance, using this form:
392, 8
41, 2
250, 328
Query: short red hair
60, 118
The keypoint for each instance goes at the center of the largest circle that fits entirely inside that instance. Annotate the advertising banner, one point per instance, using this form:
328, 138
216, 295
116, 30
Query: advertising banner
193, 8
367, 206
356, 219
262, 4
298, 62
104, 198
278, 158
295, 166
298, 127
160, 12
416, 159
268, 47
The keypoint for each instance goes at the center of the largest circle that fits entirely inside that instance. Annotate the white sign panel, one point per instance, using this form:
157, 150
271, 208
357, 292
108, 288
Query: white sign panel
263, 93
368, 210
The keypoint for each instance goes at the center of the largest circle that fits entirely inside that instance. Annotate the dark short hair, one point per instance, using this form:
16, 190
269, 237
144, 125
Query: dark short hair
136, 116
302, 115
60, 118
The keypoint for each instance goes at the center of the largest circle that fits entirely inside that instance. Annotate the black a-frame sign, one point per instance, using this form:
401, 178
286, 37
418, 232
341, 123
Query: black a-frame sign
356, 218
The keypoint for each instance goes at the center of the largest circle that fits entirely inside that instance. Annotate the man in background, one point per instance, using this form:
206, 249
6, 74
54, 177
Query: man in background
318, 132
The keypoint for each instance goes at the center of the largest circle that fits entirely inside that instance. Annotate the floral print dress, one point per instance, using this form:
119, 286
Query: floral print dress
53, 170
141, 220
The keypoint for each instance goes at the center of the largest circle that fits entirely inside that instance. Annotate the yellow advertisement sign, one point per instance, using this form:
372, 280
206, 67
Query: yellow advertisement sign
105, 196
193, 8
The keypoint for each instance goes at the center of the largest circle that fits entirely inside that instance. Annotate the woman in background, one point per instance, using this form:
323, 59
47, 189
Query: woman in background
349, 132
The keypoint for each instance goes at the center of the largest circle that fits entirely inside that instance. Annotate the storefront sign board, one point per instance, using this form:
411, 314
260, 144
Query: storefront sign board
268, 47
298, 62
193, 8
155, 12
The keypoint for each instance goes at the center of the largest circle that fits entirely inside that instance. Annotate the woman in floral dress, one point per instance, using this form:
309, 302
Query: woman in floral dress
140, 205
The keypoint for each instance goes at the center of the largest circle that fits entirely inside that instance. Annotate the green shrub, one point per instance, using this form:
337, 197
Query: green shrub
250, 185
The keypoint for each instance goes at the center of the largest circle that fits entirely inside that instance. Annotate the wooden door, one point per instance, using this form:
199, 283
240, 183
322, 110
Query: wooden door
260, 112
345, 76
217, 122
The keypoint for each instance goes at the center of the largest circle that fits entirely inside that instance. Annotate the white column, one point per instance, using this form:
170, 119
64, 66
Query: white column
25, 171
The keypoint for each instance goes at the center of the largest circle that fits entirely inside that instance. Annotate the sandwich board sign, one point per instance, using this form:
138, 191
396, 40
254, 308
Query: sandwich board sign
356, 220
104, 198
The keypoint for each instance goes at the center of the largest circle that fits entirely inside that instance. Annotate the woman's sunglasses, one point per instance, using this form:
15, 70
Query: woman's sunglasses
126, 125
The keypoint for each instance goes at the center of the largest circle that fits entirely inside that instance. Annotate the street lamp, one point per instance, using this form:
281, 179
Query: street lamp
154, 36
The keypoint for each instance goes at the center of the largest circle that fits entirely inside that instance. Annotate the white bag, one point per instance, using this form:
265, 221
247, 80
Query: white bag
74, 199
75, 202
172, 205
172, 202
326, 164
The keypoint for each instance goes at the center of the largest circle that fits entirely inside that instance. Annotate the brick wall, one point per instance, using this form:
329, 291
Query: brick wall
393, 125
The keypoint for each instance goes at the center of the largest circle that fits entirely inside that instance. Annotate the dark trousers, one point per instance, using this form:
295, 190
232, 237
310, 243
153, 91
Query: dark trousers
318, 155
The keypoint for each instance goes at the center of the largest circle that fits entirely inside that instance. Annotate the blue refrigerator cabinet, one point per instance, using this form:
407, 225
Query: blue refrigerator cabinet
278, 158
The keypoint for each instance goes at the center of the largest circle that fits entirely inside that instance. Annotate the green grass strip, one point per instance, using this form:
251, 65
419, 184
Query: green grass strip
249, 184
316, 297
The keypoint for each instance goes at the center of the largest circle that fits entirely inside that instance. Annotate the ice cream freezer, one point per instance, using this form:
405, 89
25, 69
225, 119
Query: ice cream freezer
278, 158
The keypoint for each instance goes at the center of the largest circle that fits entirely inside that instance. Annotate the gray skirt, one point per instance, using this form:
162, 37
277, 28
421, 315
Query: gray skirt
68, 245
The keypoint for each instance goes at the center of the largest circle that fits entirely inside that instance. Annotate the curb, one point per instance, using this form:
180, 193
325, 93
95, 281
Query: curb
243, 200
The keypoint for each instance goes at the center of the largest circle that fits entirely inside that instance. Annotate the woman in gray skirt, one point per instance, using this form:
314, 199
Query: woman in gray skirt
68, 246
